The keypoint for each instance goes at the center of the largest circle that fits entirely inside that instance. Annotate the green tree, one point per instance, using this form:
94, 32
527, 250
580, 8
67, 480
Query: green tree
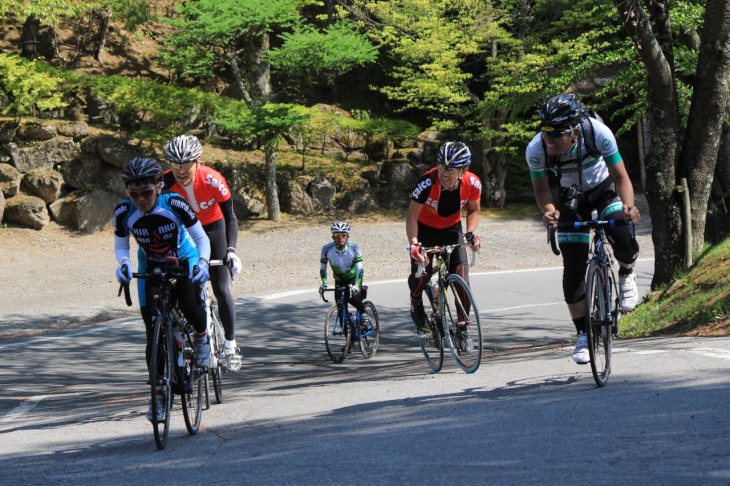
309, 57
264, 125
680, 151
27, 88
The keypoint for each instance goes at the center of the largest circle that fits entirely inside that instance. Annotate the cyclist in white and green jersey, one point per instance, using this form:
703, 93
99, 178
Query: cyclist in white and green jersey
346, 261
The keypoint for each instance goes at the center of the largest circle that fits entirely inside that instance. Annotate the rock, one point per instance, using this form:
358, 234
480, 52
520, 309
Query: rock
85, 211
10, 178
27, 211
45, 183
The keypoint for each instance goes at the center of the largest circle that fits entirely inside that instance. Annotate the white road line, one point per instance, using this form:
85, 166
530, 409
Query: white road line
26, 406
712, 352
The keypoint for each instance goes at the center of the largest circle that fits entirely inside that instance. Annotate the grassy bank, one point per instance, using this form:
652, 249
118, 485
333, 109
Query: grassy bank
696, 303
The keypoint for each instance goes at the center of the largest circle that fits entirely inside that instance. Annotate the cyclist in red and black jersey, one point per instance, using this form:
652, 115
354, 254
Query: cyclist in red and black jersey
207, 192
434, 218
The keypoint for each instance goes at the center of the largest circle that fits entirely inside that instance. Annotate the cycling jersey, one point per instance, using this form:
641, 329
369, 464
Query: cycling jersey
346, 263
209, 188
159, 233
442, 209
594, 169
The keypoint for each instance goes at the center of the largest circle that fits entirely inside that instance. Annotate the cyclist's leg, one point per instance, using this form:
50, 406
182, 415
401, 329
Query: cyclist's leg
626, 251
194, 311
220, 278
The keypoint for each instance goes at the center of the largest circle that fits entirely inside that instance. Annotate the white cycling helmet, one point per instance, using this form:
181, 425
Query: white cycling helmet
183, 148
340, 227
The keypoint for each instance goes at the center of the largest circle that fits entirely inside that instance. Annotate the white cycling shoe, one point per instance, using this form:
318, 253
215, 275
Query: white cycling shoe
580, 354
628, 293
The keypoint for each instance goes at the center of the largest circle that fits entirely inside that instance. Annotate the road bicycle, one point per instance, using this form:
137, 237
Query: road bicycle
342, 328
172, 366
451, 313
603, 306
217, 366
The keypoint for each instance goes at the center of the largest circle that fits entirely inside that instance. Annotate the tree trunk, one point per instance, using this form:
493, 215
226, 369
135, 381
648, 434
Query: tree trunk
704, 126
258, 70
104, 18
665, 133
272, 195
718, 207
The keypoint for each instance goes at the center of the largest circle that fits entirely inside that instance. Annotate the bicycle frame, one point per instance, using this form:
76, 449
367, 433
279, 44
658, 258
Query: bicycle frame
343, 314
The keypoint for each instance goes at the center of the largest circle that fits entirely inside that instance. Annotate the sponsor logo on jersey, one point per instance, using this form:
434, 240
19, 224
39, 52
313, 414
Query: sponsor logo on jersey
218, 184
421, 187
207, 204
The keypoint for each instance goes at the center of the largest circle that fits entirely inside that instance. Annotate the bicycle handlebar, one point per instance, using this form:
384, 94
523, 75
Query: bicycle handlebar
444, 248
166, 271
333, 289
593, 223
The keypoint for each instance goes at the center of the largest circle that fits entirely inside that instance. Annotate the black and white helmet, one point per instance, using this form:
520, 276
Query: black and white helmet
561, 112
139, 169
183, 148
340, 227
454, 154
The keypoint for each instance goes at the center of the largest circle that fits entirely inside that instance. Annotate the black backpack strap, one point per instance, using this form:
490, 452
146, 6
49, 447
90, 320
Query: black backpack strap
589, 137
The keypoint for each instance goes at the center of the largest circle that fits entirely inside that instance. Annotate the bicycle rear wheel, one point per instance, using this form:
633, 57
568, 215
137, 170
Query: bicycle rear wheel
162, 367
215, 331
336, 338
461, 319
192, 402
432, 345
370, 334
598, 326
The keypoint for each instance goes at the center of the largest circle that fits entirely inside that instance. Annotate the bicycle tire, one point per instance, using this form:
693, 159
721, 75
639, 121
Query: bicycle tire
192, 402
432, 345
458, 304
337, 340
215, 331
370, 336
161, 343
598, 327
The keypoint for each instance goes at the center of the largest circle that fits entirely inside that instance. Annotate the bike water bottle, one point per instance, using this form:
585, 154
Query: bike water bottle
352, 318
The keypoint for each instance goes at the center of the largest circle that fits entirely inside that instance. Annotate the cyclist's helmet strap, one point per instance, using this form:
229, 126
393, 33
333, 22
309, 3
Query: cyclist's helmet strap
454, 154
340, 227
183, 148
141, 168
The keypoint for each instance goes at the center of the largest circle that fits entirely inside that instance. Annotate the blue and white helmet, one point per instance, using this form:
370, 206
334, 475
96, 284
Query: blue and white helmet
454, 154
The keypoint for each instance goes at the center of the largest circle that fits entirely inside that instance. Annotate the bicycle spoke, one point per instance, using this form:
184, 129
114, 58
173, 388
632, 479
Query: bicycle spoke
337, 338
370, 333
432, 344
463, 332
598, 326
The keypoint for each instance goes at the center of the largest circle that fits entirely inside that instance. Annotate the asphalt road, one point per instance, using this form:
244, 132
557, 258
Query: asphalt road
72, 403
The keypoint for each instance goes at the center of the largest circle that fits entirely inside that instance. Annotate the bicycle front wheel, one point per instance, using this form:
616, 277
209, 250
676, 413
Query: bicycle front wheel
162, 367
462, 329
370, 332
337, 338
432, 344
598, 326
192, 402
215, 331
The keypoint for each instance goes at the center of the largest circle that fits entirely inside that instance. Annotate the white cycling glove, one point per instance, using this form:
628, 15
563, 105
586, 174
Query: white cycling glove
354, 289
203, 274
124, 272
235, 262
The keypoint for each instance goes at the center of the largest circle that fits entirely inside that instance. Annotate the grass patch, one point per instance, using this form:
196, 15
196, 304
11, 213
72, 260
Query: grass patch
697, 303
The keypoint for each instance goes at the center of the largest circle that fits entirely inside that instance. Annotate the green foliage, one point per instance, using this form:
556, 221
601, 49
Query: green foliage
263, 124
308, 55
47, 11
26, 87
151, 103
134, 12
207, 33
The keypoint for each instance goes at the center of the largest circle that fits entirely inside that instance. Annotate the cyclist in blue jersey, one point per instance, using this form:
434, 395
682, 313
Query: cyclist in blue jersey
346, 261
163, 225
587, 181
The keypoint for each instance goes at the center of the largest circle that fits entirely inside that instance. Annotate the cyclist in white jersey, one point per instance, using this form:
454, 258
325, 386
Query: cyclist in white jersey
587, 182
347, 268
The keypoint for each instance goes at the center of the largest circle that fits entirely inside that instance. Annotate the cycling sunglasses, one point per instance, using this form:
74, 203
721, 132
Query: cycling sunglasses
146, 192
339, 235
182, 166
555, 132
